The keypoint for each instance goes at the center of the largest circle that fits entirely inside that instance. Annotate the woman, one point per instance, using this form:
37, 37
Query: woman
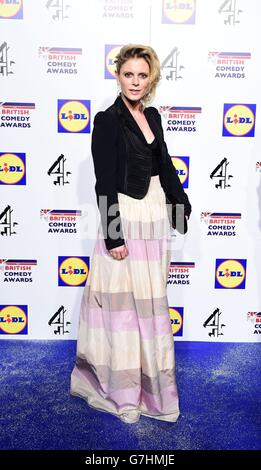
125, 358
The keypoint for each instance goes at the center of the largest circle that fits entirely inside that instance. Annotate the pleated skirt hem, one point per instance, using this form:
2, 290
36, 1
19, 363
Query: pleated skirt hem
133, 415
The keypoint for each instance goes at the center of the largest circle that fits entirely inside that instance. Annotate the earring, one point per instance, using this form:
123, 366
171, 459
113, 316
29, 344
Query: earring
118, 88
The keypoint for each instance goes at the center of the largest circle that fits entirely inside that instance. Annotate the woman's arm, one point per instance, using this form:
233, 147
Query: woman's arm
104, 153
170, 181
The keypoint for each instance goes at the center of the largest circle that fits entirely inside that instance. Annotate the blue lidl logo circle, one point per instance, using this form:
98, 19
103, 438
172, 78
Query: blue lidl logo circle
176, 319
11, 9
178, 11
230, 274
239, 120
13, 319
12, 168
110, 55
74, 116
72, 271
182, 168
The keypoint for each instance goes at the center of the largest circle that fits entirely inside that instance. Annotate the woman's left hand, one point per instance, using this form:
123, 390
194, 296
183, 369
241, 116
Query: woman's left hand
120, 252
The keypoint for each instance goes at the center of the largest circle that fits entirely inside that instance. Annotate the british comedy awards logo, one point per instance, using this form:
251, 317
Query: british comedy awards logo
255, 319
180, 272
18, 270
60, 60
221, 224
61, 221
229, 64
180, 118
120, 10
16, 115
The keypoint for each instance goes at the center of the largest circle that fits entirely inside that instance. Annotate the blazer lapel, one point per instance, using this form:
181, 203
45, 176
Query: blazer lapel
132, 124
153, 124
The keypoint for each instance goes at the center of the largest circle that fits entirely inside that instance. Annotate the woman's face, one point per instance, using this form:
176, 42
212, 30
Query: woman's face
134, 78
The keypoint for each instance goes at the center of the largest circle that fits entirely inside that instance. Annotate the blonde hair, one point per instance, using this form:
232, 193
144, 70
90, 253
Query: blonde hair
130, 51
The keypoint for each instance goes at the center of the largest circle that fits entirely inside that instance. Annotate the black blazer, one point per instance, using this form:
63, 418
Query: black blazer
122, 163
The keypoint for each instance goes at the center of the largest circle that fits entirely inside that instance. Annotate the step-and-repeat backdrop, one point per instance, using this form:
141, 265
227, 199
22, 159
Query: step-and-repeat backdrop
56, 73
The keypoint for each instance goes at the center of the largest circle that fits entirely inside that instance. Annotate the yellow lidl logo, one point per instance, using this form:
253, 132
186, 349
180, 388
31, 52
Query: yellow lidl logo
12, 168
73, 270
11, 9
230, 274
13, 320
239, 120
179, 11
74, 116
110, 54
176, 319
182, 169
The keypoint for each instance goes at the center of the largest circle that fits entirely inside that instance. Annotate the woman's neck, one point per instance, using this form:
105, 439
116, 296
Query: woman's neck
133, 106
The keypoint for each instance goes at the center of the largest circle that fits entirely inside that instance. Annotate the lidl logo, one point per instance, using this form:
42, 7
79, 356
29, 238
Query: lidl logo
73, 270
110, 54
179, 11
74, 116
11, 9
182, 168
230, 274
13, 320
176, 319
239, 120
12, 168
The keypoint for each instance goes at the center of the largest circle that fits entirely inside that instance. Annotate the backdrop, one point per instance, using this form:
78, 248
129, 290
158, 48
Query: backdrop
56, 73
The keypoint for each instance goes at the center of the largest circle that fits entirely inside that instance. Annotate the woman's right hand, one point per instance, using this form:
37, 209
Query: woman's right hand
120, 252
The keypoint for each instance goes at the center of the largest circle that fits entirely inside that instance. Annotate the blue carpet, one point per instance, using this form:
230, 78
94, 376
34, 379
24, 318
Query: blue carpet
219, 388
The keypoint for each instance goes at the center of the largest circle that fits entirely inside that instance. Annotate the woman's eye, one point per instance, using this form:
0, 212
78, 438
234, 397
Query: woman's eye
128, 74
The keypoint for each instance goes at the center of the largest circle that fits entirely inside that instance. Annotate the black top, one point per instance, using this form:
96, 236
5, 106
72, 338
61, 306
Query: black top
108, 143
154, 145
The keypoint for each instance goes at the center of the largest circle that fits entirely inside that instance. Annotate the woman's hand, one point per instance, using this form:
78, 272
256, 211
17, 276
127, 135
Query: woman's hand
120, 252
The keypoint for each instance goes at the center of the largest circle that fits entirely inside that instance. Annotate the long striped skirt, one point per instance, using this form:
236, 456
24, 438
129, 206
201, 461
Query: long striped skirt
125, 353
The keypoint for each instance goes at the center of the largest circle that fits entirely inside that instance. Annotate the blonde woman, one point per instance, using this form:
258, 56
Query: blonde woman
125, 357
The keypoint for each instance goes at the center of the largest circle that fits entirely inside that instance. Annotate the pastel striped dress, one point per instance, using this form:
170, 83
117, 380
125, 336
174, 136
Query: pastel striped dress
125, 353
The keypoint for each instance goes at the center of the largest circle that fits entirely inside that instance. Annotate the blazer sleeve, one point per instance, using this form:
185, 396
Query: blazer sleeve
169, 179
104, 153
